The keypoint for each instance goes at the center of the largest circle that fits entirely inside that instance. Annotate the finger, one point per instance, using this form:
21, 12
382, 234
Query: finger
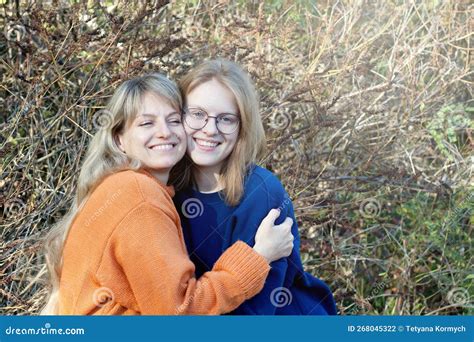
291, 248
285, 225
272, 216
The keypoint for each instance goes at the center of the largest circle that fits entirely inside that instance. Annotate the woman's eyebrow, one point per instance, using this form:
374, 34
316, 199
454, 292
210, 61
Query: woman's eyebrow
196, 107
155, 115
205, 110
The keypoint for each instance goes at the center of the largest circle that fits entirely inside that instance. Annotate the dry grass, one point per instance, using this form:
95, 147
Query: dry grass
369, 115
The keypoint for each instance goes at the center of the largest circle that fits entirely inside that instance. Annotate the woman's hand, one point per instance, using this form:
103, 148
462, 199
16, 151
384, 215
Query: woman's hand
274, 241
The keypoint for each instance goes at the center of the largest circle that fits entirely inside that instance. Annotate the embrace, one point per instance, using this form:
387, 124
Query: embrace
171, 214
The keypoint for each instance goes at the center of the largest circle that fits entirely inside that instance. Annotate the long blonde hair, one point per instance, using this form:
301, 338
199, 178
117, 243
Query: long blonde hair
103, 158
250, 144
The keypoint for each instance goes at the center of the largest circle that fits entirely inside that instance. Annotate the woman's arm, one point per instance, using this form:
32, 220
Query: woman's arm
149, 248
268, 193
288, 290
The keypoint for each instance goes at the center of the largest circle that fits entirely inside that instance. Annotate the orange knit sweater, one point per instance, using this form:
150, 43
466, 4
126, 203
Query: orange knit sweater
125, 255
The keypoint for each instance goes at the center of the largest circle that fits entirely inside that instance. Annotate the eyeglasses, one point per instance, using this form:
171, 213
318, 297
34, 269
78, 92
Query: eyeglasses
197, 118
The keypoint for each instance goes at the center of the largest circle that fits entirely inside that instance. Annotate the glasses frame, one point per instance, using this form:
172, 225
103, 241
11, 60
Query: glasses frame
187, 111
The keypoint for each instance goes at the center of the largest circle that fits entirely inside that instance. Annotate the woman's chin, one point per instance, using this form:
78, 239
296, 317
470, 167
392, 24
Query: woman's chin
205, 162
161, 167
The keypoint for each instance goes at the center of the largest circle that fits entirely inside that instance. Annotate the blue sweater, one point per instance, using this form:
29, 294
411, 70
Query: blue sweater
210, 227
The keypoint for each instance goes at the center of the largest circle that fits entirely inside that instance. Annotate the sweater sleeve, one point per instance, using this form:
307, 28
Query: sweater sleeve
149, 248
275, 292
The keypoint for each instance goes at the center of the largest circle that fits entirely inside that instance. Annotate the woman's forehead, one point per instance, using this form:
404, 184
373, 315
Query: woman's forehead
212, 96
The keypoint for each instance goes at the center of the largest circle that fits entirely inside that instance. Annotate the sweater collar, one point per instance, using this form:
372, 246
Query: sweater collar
169, 188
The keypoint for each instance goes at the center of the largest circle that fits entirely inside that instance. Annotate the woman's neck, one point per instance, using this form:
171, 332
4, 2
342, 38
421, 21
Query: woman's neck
207, 178
162, 176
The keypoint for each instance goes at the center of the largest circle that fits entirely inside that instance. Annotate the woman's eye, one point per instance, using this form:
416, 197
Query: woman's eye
199, 114
175, 121
146, 123
227, 119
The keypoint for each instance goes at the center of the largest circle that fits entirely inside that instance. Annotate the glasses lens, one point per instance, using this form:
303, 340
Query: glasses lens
227, 123
196, 119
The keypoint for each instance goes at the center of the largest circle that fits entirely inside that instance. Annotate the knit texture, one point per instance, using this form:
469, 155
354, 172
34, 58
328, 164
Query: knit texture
125, 255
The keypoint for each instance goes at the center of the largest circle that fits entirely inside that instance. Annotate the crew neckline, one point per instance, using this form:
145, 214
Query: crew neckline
169, 188
207, 196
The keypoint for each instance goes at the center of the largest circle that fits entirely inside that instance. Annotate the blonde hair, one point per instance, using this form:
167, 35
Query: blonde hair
250, 144
103, 158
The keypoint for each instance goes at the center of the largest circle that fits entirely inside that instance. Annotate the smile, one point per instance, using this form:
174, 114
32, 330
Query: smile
162, 147
206, 143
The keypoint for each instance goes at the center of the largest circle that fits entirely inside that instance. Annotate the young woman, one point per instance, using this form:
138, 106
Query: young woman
120, 249
225, 138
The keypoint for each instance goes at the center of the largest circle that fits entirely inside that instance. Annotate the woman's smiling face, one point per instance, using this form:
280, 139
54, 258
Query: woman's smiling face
208, 147
156, 136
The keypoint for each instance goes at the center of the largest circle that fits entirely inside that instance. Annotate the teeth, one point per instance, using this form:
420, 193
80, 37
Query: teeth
206, 143
162, 147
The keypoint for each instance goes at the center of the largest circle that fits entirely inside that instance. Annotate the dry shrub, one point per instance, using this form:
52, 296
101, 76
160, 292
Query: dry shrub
368, 113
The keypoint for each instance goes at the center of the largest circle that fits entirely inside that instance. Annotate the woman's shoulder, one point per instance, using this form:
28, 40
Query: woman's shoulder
263, 185
259, 176
136, 186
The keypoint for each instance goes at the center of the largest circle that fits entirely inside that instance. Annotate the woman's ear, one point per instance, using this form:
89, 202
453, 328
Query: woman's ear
118, 141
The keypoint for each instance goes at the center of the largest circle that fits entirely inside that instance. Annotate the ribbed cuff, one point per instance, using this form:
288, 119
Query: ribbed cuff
249, 267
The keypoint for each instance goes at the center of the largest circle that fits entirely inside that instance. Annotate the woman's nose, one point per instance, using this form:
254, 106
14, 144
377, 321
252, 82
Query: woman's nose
162, 130
210, 127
